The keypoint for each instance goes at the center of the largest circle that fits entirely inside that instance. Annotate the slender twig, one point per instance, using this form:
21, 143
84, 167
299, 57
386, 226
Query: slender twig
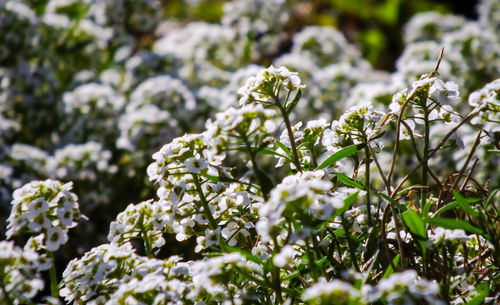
417, 153
398, 237
400, 117
466, 164
469, 175
433, 152
384, 236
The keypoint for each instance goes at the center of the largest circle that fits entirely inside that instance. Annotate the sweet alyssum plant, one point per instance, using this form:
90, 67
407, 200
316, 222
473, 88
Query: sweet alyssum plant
287, 212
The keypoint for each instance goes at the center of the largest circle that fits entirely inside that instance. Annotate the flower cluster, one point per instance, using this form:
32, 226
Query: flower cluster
44, 207
266, 85
487, 103
145, 220
19, 274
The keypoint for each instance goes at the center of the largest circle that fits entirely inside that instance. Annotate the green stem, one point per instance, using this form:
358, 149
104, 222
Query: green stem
367, 183
206, 207
446, 282
290, 135
425, 154
147, 242
275, 274
256, 168
349, 243
54, 290
2, 285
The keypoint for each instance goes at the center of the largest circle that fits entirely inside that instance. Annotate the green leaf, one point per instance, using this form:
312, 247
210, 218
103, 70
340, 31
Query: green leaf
213, 179
293, 103
455, 204
449, 223
414, 223
348, 181
445, 208
370, 268
426, 208
290, 276
285, 149
389, 269
482, 291
464, 204
491, 197
348, 202
341, 154
400, 207
226, 248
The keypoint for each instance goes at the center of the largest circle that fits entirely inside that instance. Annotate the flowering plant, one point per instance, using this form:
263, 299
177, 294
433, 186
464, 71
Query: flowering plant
262, 188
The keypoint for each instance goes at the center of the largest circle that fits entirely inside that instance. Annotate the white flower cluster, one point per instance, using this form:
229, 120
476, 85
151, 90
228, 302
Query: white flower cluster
267, 83
19, 28
148, 120
441, 235
296, 196
44, 207
79, 162
146, 220
431, 26
325, 45
94, 108
430, 99
111, 274
260, 17
19, 274
307, 140
331, 292
96, 274
487, 103
355, 126
250, 123
407, 288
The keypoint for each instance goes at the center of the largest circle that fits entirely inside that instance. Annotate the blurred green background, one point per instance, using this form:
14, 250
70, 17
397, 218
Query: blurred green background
374, 25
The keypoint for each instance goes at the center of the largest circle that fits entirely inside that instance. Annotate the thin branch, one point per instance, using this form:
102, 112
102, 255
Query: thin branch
433, 152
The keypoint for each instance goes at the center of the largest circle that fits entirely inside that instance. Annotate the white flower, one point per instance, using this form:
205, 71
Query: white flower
55, 237
285, 257
444, 93
65, 214
195, 165
38, 223
330, 292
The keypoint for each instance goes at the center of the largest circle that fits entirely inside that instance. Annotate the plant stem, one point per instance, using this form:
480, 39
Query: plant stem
367, 182
275, 274
4, 290
349, 243
204, 203
145, 237
290, 134
54, 291
435, 150
255, 167
425, 154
